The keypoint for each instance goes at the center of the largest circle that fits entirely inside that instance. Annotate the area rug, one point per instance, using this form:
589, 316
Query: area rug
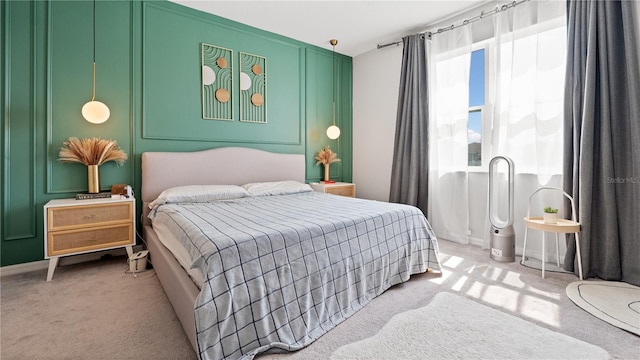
617, 303
453, 327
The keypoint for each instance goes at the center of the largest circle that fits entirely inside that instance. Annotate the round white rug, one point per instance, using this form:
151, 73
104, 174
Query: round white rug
617, 303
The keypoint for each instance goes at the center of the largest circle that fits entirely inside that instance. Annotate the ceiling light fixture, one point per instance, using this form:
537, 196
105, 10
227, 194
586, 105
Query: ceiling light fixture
333, 132
95, 111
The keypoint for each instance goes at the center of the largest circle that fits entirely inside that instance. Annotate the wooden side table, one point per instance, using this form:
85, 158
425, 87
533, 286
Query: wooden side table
337, 188
81, 226
562, 226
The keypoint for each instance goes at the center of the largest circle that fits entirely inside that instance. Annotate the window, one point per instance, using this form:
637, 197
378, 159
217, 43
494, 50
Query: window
476, 106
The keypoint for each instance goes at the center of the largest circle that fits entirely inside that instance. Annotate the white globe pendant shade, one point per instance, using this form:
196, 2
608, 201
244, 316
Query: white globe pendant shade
95, 112
333, 132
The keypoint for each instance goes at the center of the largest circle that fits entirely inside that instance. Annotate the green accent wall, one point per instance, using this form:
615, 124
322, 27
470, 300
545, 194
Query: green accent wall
148, 71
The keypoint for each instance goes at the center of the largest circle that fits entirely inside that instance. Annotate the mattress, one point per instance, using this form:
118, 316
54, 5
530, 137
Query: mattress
168, 238
280, 271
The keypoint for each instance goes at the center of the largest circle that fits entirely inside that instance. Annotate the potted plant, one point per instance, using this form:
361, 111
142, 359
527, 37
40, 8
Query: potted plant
550, 215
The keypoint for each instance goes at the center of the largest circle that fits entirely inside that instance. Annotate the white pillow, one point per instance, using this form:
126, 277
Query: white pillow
199, 193
276, 188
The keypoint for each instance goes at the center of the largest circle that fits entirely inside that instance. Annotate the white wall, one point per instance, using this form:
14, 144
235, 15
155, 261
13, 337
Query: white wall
376, 78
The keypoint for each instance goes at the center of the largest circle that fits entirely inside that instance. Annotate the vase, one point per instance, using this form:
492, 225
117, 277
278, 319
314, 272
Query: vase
326, 172
93, 177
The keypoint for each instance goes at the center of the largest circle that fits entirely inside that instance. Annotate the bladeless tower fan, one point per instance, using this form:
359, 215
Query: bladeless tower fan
502, 238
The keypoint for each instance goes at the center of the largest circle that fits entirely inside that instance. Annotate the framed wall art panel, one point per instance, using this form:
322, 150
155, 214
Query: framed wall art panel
217, 83
253, 88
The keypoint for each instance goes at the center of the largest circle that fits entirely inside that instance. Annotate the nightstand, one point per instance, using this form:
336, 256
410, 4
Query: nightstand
338, 188
74, 227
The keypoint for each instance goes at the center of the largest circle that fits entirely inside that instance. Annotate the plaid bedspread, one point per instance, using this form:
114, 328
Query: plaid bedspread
280, 271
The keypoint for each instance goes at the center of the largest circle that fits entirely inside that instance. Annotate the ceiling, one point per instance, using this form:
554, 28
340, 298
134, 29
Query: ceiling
359, 26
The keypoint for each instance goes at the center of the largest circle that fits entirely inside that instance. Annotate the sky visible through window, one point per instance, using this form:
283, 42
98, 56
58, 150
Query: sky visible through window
476, 79
476, 98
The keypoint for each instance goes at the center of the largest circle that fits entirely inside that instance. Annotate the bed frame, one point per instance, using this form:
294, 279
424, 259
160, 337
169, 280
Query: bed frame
221, 166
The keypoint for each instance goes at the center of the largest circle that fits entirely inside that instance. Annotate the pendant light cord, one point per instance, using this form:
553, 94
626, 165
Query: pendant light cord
93, 92
333, 78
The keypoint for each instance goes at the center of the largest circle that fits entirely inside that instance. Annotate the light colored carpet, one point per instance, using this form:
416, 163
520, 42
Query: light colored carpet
548, 266
96, 311
615, 302
93, 310
453, 327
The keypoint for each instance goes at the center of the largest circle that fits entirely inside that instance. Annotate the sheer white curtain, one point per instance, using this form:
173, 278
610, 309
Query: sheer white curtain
522, 116
450, 59
524, 106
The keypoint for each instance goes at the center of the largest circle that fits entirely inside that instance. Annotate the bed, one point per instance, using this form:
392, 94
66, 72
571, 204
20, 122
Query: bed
270, 270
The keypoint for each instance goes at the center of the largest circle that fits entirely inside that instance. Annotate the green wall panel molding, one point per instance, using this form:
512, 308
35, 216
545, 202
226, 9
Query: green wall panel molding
344, 113
148, 73
19, 122
172, 75
5, 75
69, 71
320, 91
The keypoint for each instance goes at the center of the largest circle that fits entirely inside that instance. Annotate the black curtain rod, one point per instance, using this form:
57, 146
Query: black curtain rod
483, 14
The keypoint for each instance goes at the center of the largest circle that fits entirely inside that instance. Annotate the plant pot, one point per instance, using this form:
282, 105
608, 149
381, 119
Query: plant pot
550, 218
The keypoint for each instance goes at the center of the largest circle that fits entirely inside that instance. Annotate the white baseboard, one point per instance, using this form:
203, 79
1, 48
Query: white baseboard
476, 241
67, 260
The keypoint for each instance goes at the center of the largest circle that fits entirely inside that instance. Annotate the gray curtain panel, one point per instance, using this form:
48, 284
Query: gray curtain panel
602, 138
409, 184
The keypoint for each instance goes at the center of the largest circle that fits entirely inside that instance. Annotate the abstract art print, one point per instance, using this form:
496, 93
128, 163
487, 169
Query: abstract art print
253, 88
217, 83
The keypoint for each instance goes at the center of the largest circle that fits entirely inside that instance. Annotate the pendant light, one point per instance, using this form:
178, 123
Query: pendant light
333, 132
95, 111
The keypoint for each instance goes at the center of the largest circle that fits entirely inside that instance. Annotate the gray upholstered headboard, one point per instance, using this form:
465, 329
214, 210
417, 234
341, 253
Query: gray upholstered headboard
221, 166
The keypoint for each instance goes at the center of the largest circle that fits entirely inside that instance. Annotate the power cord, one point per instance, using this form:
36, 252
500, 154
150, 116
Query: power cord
140, 274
